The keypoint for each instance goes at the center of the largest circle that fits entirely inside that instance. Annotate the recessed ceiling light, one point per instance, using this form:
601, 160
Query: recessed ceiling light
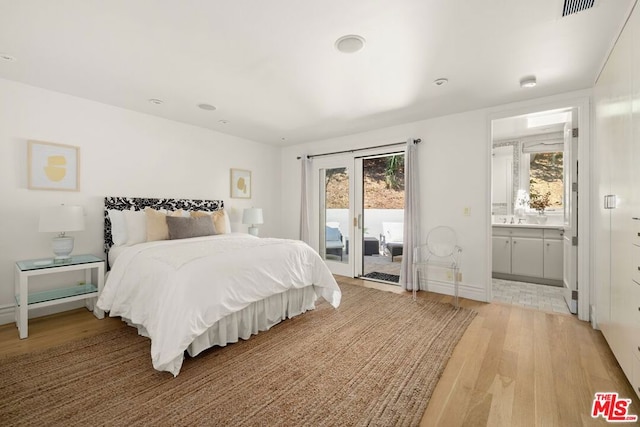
207, 107
7, 57
283, 138
440, 82
350, 43
529, 81
156, 101
224, 122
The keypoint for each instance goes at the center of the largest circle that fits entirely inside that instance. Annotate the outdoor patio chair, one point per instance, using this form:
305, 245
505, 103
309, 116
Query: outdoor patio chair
333, 241
392, 238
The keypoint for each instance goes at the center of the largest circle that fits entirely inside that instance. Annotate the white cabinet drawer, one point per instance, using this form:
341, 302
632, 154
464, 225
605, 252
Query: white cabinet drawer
635, 263
636, 231
517, 232
501, 231
634, 304
635, 381
554, 233
527, 232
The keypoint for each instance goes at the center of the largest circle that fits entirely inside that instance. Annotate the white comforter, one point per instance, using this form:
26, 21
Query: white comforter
177, 289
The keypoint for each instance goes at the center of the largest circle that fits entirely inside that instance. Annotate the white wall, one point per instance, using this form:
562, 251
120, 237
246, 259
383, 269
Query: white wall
449, 181
454, 159
123, 153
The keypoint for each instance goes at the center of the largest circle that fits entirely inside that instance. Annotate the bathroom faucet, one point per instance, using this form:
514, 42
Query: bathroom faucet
504, 220
512, 221
520, 220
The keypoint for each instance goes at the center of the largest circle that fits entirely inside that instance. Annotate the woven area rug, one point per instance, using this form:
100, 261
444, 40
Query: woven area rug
373, 361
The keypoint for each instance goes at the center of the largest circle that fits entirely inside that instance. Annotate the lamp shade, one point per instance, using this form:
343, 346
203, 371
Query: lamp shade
252, 216
60, 219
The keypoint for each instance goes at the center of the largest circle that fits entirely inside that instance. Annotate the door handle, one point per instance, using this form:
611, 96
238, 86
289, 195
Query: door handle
610, 201
359, 221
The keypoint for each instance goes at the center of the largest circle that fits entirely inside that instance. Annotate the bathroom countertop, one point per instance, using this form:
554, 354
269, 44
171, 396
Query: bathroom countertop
547, 226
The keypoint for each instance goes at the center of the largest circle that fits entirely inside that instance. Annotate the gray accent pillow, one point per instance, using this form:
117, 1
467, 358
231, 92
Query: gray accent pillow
185, 227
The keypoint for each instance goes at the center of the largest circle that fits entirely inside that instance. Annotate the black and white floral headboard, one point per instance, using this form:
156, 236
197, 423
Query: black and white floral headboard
139, 203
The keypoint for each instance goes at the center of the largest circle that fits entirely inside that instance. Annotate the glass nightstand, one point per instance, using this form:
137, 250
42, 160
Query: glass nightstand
87, 291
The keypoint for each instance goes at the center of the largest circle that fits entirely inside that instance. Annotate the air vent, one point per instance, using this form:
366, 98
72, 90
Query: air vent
575, 6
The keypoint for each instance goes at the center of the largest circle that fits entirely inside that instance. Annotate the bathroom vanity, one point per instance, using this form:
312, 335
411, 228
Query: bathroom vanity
528, 253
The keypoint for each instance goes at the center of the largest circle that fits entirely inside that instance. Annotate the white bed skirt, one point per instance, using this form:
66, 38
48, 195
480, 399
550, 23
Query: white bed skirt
257, 317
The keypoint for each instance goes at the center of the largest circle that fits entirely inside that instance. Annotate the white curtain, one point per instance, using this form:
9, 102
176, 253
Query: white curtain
305, 166
411, 216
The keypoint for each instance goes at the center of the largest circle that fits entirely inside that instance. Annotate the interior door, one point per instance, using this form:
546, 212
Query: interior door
334, 225
570, 240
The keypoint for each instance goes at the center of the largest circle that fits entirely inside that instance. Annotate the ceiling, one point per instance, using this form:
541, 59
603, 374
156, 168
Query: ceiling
271, 69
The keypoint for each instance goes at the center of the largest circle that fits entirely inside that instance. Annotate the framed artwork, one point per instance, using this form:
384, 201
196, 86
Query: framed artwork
53, 166
240, 184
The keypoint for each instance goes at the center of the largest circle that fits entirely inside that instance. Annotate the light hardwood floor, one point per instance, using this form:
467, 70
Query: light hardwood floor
513, 366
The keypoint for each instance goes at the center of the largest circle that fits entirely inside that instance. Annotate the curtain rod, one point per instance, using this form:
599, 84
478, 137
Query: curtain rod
415, 141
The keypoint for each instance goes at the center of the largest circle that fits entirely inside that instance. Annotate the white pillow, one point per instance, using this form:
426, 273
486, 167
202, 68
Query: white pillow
394, 231
118, 227
136, 227
396, 236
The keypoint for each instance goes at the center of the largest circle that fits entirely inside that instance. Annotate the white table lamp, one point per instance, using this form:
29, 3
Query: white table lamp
60, 219
252, 216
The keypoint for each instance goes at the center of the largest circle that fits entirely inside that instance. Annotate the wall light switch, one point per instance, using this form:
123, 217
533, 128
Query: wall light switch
467, 211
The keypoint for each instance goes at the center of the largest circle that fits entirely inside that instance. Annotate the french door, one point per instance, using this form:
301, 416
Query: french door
336, 229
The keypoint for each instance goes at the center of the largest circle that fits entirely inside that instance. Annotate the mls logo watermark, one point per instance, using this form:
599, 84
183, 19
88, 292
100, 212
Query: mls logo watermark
612, 408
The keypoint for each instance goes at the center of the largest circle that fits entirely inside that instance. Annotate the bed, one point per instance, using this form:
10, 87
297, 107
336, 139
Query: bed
192, 293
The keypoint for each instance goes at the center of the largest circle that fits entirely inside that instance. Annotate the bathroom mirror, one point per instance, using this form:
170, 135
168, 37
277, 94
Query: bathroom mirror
520, 167
505, 180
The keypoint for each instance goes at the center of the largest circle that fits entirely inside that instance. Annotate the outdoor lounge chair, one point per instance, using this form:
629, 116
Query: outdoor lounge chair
333, 241
392, 238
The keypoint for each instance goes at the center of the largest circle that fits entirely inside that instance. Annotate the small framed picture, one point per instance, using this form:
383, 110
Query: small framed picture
240, 184
53, 166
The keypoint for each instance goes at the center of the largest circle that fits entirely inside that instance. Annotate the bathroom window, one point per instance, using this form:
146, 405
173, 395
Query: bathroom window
546, 177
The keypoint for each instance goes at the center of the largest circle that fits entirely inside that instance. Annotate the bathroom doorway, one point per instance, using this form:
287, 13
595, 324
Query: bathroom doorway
534, 209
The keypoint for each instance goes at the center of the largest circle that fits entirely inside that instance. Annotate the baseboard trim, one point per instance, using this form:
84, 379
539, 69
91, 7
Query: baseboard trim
7, 314
528, 279
464, 290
